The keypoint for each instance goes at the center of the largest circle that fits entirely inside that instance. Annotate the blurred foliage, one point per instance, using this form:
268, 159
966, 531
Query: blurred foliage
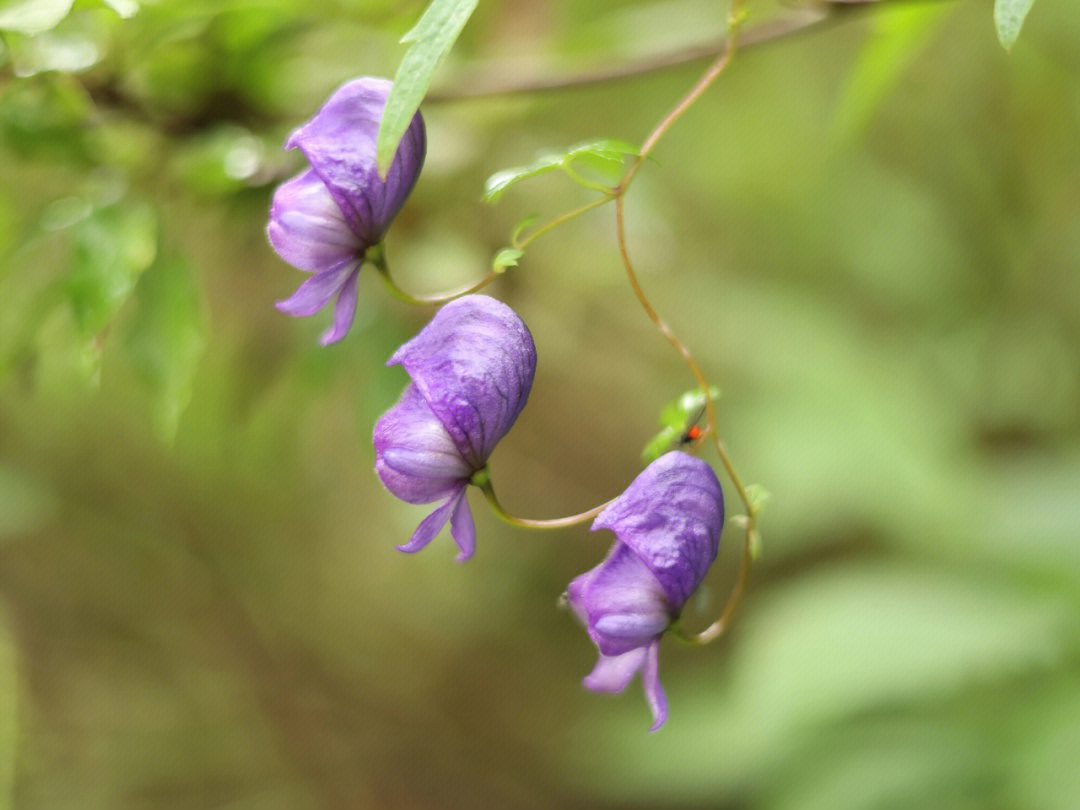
869, 235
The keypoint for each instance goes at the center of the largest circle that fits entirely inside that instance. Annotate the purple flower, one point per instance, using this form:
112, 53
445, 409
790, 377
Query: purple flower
324, 220
472, 368
668, 524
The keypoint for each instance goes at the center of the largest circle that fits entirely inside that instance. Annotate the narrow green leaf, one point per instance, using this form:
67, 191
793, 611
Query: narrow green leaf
676, 417
113, 247
433, 36
1009, 18
499, 182
507, 257
32, 16
605, 156
659, 444
165, 340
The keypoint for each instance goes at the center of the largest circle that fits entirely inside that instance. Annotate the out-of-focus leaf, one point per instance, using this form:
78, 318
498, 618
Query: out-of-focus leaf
220, 163
25, 505
605, 156
166, 338
433, 36
659, 444
70, 53
9, 715
46, 114
1009, 18
125, 8
903, 32
113, 247
32, 16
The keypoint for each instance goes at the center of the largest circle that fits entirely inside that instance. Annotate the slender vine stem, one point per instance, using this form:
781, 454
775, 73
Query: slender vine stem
707, 78
559, 220
377, 258
527, 523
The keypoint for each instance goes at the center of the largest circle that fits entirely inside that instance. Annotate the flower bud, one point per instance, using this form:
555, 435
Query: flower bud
324, 220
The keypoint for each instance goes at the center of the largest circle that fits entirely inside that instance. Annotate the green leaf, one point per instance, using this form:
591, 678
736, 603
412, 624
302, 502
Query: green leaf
32, 16
605, 156
166, 338
499, 182
507, 257
528, 222
113, 247
125, 8
432, 37
1009, 18
677, 416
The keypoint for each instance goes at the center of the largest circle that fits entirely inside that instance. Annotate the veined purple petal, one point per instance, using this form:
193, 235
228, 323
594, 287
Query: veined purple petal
433, 524
474, 364
623, 605
316, 292
671, 517
613, 673
462, 529
339, 143
414, 455
654, 692
344, 310
307, 228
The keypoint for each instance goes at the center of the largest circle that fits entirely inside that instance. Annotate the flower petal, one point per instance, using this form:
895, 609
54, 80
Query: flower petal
462, 529
316, 292
622, 603
431, 525
339, 143
344, 310
671, 516
474, 364
414, 455
654, 692
307, 228
613, 673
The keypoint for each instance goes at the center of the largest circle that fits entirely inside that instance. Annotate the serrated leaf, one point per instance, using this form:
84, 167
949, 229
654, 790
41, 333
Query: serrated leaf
113, 247
1009, 18
605, 156
165, 340
433, 36
32, 16
507, 257
681, 412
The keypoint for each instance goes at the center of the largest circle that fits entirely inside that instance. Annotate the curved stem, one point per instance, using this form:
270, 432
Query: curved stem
526, 523
378, 261
718, 627
559, 220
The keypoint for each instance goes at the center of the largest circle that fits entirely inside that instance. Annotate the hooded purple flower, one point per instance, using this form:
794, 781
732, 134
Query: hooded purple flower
324, 220
668, 524
472, 368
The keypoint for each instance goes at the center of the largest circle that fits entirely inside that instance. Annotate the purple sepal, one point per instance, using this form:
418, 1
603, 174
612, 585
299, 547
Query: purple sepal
668, 524
474, 364
471, 366
307, 228
339, 143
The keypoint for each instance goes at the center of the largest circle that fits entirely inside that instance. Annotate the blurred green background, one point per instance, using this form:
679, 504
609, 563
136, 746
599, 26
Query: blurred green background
868, 233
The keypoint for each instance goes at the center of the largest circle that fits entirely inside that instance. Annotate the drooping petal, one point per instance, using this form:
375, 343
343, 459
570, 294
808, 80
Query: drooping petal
671, 517
613, 673
307, 228
414, 455
431, 525
462, 529
339, 143
316, 292
474, 364
623, 605
344, 310
654, 692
